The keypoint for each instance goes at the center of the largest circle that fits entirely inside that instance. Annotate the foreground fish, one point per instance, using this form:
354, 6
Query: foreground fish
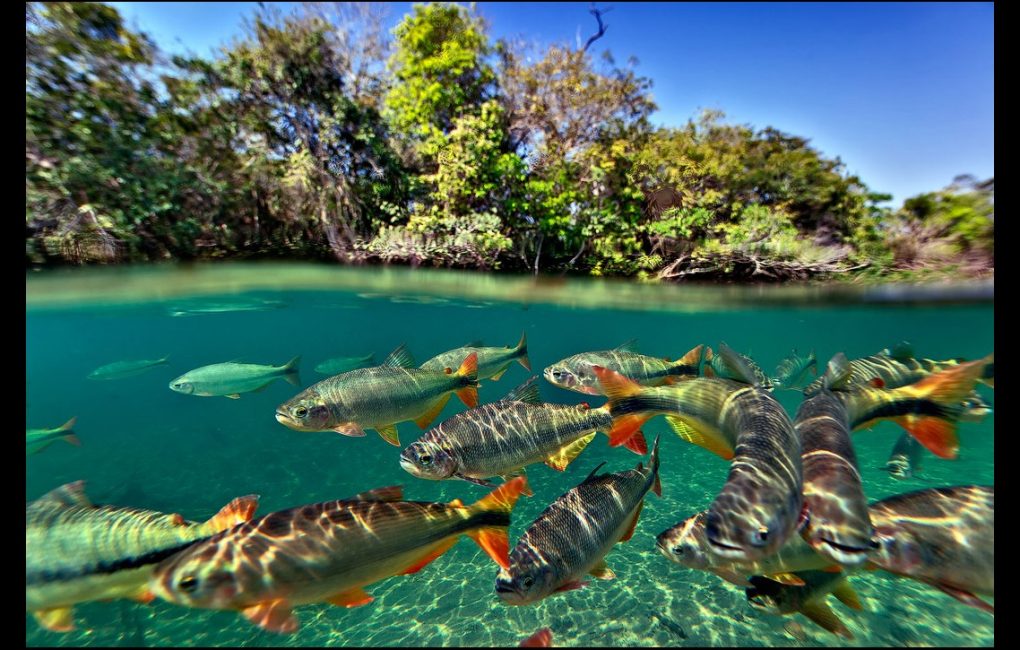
944, 537
905, 459
77, 552
492, 362
343, 364
122, 369
793, 370
571, 537
38, 439
575, 373
380, 397
687, 544
328, 552
721, 365
502, 438
230, 379
809, 599
759, 506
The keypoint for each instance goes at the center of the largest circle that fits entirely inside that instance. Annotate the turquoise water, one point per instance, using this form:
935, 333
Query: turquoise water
146, 446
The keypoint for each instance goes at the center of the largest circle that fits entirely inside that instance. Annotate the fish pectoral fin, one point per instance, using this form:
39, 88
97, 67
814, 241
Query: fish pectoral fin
389, 434
424, 560
702, 437
601, 571
350, 598
58, 619
144, 596
562, 458
350, 429
786, 579
846, 595
967, 598
273, 615
476, 481
495, 542
432, 413
633, 523
233, 396
820, 613
733, 577
838, 568
570, 586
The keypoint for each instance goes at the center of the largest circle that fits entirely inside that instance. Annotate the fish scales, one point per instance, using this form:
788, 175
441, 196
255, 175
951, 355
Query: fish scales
490, 360
893, 373
384, 395
576, 372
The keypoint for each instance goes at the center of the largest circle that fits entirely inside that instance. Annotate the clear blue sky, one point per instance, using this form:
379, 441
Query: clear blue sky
901, 92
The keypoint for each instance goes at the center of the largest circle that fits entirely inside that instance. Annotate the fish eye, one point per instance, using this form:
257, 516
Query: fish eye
301, 412
188, 584
679, 550
556, 374
528, 581
425, 459
760, 537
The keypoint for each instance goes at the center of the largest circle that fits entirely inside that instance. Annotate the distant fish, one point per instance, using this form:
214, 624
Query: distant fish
216, 307
905, 459
944, 537
975, 408
575, 373
337, 365
329, 552
570, 539
492, 362
122, 369
77, 552
380, 397
38, 439
541, 639
501, 438
809, 599
230, 379
793, 370
736, 366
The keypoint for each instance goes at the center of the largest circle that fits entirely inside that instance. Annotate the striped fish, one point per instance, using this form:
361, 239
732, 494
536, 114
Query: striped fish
793, 370
380, 397
77, 552
492, 362
730, 364
687, 544
575, 373
905, 459
38, 439
759, 506
776, 598
571, 538
328, 552
502, 438
944, 537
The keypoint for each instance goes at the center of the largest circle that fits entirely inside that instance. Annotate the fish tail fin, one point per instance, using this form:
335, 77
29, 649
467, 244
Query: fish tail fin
469, 372
493, 538
236, 512
617, 387
654, 465
522, 352
164, 359
67, 426
69, 437
290, 371
951, 386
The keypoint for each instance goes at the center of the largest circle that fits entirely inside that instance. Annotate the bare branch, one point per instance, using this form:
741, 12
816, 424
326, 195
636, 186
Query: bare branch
602, 28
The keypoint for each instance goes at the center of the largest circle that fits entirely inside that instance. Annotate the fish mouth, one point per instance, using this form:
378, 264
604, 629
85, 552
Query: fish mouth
411, 469
845, 553
727, 550
284, 418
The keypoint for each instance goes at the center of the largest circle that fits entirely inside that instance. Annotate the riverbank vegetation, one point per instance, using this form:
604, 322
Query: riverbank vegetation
319, 134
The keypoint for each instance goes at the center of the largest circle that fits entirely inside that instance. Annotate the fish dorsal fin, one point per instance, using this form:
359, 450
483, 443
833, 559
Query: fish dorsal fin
400, 358
388, 493
837, 372
902, 351
736, 365
68, 495
474, 344
594, 472
526, 392
627, 346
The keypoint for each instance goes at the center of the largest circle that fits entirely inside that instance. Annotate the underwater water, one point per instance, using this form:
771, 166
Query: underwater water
146, 446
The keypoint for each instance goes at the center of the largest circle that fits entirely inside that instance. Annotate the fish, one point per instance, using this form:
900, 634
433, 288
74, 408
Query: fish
230, 379
575, 373
503, 437
540, 639
687, 544
570, 539
215, 307
892, 369
793, 370
328, 552
975, 408
760, 505
380, 397
492, 362
777, 598
38, 439
905, 459
943, 537
736, 366
337, 365
122, 369
77, 552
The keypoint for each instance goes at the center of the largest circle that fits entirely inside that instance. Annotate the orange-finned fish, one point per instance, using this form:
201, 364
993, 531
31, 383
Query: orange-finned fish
576, 373
492, 362
328, 552
541, 639
502, 438
570, 539
77, 552
944, 537
380, 397
809, 599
